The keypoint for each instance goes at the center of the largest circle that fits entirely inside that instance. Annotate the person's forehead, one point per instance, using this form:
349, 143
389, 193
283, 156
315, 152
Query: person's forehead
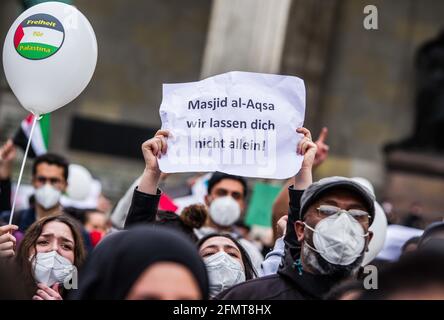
49, 169
342, 196
58, 229
411, 245
230, 185
96, 217
218, 242
169, 274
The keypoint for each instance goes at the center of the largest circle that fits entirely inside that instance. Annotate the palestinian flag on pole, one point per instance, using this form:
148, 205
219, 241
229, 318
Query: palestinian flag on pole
40, 138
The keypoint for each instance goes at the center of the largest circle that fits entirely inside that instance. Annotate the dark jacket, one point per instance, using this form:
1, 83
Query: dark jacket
22, 218
290, 282
5, 195
292, 246
143, 208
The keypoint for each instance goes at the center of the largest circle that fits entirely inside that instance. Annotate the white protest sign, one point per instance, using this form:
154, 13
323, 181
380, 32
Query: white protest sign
239, 123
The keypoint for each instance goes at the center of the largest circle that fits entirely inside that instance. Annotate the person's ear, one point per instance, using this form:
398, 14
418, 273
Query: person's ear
370, 237
299, 228
242, 206
207, 200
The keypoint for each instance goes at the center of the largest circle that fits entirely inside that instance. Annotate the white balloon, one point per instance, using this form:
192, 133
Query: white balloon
90, 202
365, 183
80, 182
378, 227
49, 56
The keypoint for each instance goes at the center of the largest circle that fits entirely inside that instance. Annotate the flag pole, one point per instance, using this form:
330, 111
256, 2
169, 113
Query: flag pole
25, 156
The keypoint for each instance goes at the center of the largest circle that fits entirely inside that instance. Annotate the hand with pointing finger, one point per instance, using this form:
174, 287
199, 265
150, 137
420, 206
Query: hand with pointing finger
322, 152
307, 148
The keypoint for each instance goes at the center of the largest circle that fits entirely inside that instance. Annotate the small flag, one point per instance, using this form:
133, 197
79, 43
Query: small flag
40, 139
166, 203
261, 204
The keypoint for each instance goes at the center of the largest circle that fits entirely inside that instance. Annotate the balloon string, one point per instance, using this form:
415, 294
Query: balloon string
36, 118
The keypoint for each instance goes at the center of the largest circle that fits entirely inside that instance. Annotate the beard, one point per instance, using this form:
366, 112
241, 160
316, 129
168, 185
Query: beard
321, 266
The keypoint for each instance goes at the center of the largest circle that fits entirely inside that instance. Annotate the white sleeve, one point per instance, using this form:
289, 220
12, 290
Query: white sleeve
273, 258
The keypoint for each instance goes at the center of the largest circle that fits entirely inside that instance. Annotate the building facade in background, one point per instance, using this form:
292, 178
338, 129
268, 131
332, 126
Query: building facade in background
360, 83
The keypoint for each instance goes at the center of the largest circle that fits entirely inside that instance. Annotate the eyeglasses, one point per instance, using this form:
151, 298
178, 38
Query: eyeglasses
360, 215
44, 180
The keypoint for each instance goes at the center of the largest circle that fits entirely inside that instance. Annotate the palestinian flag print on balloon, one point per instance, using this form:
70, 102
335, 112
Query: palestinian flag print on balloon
39, 36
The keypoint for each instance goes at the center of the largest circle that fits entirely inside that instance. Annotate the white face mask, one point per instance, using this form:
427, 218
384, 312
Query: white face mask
223, 272
224, 211
51, 267
339, 239
47, 196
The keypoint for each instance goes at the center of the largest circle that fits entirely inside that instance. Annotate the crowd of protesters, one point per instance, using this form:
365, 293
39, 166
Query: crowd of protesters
322, 233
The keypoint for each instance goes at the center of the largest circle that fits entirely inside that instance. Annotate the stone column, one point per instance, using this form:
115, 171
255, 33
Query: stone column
246, 35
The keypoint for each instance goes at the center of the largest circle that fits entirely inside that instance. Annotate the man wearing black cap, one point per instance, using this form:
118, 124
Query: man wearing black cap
334, 215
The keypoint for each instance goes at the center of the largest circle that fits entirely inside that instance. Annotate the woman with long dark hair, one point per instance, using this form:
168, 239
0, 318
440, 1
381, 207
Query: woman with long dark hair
50, 252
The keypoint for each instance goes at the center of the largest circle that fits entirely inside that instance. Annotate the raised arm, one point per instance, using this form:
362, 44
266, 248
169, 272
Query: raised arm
152, 150
146, 195
302, 180
280, 205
